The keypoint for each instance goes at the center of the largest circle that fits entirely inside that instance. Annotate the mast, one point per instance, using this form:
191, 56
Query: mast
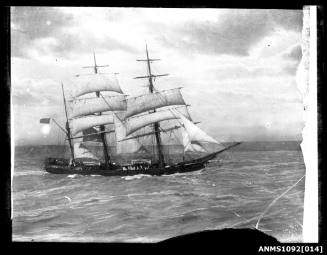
151, 88
67, 125
156, 124
102, 129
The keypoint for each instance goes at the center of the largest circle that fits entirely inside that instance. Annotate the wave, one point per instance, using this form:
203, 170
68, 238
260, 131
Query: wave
135, 177
72, 175
37, 215
198, 172
29, 173
143, 239
191, 212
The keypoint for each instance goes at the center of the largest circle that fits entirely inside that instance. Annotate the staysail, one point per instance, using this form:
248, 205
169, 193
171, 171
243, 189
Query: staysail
184, 111
194, 137
88, 106
143, 103
80, 124
97, 82
188, 145
128, 146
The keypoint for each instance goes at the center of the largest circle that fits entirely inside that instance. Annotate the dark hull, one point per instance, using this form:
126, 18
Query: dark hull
61, 166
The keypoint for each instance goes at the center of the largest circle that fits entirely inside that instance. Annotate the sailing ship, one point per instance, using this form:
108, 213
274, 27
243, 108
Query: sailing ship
131, 120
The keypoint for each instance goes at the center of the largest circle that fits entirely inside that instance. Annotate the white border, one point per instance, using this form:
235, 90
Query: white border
310, 140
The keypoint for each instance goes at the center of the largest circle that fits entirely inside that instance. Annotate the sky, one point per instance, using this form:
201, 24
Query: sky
237, 67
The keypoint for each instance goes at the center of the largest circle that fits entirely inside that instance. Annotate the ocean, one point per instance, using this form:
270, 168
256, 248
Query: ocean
231, 192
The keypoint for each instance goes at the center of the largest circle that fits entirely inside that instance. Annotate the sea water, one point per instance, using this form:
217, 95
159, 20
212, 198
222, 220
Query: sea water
232, 192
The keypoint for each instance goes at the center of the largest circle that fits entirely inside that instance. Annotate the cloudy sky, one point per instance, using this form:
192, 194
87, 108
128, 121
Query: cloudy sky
237, 67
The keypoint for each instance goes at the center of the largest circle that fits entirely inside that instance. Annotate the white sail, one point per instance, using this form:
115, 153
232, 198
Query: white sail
188, 146
98, 104
184, 111
136, 105
164, 130
83, 123
187, 143
195, 136
82, 153
133, 124
127, 146
96, 82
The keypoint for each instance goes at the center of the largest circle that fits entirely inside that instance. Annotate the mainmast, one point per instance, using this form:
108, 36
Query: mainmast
67, 124
102, 128
156, 124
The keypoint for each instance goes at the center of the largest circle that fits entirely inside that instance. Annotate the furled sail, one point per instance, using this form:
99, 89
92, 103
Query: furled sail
98, 104
194, 136
83, 123
82, 153
136, 105
128, 146
97, 82
133, 124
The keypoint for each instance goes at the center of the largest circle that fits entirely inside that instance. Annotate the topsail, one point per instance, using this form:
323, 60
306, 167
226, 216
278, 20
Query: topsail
98, 104
97, 82
133, 124
80, 124
127, 146
136, 105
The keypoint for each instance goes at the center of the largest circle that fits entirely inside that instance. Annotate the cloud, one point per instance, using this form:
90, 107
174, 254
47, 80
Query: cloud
30, 23
234, 32
293, 53
55, 31
29, 92
242, 72
39, 21
288, 19
69, 45
291, 69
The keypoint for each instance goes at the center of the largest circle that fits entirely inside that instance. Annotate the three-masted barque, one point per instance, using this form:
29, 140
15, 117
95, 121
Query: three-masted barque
129, 119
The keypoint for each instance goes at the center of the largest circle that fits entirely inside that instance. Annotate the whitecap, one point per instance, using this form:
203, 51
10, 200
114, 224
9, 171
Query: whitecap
133, 177
72, 175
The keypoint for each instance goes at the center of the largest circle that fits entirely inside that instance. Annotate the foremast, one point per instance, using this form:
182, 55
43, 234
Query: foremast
67, 125
156, 125
102, 128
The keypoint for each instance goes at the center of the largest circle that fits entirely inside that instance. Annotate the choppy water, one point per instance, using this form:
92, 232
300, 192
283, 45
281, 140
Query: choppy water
229, 193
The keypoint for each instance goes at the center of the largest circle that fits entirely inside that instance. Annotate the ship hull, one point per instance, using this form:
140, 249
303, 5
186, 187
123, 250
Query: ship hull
61, 166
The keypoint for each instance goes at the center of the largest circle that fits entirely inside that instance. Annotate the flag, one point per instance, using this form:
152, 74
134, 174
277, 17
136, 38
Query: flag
45, 120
